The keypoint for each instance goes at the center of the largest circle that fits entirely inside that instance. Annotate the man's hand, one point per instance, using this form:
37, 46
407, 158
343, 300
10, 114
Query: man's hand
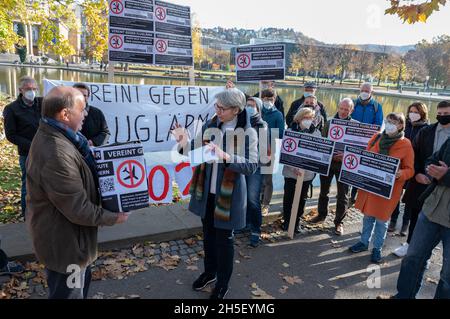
230, 85
422, 179
438, 172
122, 218
91, 143
298, 172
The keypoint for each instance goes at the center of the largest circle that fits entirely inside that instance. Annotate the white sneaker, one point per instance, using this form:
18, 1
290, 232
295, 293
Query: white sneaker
402, 250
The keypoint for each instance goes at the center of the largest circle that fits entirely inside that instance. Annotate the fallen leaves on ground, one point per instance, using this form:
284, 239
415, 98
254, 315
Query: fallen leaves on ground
432, 281
283, 289
292, 280
258, 293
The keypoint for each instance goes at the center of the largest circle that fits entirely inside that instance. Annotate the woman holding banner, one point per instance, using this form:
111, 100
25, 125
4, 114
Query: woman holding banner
219, 189
302, 123
378, 210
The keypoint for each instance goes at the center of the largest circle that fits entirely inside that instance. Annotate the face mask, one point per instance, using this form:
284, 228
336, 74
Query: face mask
414, 117
312, 107
251, 110
364, 96
391, 129
30, 95
307, 124
443, 119
307, 94
268, 105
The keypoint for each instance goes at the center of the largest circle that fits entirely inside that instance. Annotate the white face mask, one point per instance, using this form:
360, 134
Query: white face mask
414, 117
364, 96
391, 129
307, 124
30, 95
307, 94
268, 105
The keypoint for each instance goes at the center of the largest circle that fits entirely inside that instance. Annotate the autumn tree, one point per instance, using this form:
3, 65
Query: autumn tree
363, 64
96, 14
413, 11
197, 50
436, 56
344, 58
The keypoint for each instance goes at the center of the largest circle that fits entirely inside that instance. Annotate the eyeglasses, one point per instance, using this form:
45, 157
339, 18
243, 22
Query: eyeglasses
221, 109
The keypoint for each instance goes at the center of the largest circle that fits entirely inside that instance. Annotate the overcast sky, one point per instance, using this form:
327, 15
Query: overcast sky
330, 21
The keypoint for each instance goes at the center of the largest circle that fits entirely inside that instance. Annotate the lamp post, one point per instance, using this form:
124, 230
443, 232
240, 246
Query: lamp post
427, 83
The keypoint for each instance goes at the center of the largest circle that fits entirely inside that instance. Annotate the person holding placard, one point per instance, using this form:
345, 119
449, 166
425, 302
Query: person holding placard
378, 210
219, 189
303, 122
344, 113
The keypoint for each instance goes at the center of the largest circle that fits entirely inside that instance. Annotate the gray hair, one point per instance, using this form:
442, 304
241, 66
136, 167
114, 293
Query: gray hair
349, 101
26, 80
367, 85
232, 98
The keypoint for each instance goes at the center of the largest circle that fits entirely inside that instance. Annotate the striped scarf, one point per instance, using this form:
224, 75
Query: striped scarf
224, 199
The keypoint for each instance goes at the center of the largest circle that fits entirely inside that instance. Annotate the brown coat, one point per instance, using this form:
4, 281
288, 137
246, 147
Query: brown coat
379, 207
63, 205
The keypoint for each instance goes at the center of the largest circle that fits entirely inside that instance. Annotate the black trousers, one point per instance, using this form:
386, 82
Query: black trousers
59, 287
414, 213
3, 259
342, 195
219, 247
288, 198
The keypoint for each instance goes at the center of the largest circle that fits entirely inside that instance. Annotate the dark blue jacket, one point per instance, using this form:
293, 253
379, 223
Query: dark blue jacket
274, 120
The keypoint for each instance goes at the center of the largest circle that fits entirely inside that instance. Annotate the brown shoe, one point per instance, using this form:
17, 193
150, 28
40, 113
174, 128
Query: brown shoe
339, 230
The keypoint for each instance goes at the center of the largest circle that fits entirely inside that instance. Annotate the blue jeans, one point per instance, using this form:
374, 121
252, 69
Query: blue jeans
426, 237
378, 228
23, 202
254, 215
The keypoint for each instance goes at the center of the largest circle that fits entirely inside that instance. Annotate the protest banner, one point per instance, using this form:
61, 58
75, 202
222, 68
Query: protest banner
148, 112
260, 62
372, 172
351, 133
122, 177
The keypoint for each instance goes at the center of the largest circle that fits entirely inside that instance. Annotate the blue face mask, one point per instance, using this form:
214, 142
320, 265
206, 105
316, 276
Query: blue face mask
251, 110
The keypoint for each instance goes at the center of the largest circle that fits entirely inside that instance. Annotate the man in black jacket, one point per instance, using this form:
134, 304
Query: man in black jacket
310, 90
21, 123
427, 142
95, 128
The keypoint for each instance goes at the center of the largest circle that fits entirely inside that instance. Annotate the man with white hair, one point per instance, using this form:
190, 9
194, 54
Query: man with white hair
344, 113
367, 109
21, 124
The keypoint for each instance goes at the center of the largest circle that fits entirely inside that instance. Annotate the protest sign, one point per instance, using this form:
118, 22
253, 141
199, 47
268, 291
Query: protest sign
122, 177
307, 152
260, 62
372, 172
351, 133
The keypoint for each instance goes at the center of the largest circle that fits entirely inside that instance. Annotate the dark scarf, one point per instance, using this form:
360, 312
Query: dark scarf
79, 141
224, 198
387, 141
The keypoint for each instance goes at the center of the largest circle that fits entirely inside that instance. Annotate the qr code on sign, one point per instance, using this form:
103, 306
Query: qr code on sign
389, 179
107, 185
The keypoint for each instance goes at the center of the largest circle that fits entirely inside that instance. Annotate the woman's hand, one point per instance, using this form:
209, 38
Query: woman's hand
398, 175
122, 218
299, 172
181, 134
218, 152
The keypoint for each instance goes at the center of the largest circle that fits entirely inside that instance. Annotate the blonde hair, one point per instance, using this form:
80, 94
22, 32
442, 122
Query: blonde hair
304, 111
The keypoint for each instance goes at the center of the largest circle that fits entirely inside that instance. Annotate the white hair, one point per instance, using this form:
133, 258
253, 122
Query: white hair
231, 98
367, 85
349, 101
